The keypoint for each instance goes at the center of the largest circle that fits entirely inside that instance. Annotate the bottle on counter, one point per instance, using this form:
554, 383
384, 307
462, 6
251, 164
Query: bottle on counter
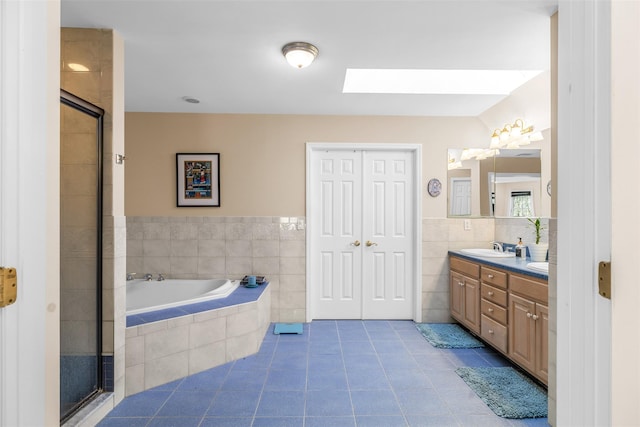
521, 249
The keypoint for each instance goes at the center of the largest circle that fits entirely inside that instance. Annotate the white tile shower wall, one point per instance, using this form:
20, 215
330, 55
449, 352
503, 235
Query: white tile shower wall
225, 247
439, 235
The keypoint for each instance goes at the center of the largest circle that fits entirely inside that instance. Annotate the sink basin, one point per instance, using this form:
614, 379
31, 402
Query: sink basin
488, 253
542, 267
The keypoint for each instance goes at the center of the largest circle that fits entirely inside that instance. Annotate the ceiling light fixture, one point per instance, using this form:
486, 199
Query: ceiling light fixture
299, 54
191, 100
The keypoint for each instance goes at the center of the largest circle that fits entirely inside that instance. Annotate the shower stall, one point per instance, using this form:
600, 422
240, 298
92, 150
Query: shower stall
81, 370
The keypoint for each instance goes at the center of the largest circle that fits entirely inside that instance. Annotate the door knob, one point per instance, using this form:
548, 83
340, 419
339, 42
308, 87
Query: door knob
370, 243
356, 243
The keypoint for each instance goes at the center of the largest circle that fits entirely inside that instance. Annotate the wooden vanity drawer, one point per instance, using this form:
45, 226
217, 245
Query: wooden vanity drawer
495, 295
495, 333
493, 277
494, 311
529, 287
464, 267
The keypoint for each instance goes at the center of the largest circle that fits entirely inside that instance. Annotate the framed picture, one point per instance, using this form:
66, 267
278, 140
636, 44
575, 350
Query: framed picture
198, 179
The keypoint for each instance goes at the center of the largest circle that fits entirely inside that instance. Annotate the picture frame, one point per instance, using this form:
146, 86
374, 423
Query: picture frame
198, 179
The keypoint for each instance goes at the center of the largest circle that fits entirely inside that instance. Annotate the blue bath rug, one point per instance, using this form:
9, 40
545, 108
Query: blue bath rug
447, 335
508, 393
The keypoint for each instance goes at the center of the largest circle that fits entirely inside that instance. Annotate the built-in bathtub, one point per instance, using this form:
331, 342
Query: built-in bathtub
144, 296
167, 344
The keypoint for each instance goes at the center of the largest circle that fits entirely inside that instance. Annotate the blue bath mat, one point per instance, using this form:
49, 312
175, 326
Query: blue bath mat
508, 393
447, 335
287, 328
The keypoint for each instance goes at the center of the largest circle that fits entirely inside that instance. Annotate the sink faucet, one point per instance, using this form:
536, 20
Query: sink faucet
131, 276
148, 277
160, 277
497, 246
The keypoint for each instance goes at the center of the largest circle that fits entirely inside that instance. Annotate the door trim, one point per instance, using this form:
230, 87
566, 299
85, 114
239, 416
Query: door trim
416, 149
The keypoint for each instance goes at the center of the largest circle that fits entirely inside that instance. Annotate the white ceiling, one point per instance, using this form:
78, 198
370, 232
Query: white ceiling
227, 53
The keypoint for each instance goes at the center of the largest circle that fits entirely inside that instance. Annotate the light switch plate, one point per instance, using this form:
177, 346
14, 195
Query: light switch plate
467, 224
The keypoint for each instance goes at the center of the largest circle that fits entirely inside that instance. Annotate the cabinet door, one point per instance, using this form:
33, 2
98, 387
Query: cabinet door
522, 331
542, 342
456, 287
472, 304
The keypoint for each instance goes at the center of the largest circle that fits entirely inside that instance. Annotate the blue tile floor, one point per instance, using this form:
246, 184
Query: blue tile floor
337, 373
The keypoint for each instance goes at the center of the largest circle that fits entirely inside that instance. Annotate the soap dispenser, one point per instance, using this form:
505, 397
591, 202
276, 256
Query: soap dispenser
521, 249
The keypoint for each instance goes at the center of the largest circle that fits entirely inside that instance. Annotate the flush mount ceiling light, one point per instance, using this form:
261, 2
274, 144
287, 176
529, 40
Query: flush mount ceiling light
299, 54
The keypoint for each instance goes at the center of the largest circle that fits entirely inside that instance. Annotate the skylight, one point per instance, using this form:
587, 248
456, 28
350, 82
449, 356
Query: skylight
436, 82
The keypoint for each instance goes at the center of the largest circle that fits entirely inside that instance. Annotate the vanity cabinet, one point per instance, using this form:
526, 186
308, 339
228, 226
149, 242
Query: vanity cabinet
529, 325
464, 289
493, 307
508, 310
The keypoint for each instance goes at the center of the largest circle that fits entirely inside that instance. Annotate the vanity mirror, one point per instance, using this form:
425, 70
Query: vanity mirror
508, 184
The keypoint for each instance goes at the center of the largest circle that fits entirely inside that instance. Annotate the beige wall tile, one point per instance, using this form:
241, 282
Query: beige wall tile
166, 369
207, 356
164, 343
265, 248
207, 332
135, 351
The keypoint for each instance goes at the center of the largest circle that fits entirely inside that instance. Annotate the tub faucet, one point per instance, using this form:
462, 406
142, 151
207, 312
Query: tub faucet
131, 276
497, 246
160, 277
148, 277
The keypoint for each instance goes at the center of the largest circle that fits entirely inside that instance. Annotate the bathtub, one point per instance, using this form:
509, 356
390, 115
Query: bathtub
145, 296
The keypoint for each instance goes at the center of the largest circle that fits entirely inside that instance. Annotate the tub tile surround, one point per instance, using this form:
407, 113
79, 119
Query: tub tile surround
183, 344
201, 247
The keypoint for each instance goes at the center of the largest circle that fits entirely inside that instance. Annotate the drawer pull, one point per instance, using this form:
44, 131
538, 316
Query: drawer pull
490, 293
460, 284
490, 276
529, 315
490, 310
534, 317
491, 331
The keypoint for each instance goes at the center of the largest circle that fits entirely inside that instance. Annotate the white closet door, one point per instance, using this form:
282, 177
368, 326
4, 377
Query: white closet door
337, 257
388, 234
358, 197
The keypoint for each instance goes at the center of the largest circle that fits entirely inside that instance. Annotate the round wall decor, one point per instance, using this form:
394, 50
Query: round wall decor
434, 186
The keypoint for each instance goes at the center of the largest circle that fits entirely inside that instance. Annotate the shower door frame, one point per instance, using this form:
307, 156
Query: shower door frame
77, 103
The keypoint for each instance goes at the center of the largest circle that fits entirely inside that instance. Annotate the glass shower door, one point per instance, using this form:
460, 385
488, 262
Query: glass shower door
80, 254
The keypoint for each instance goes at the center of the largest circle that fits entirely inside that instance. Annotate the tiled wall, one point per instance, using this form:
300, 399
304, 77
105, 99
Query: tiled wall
164, 351
225, 247
230, 247
509, 229
439, 235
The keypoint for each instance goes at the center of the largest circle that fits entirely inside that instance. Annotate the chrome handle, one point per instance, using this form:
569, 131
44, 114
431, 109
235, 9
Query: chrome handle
356, 243
490, 310
529, 315
370, 243
491, 331
490, 276
460, 284
490, 293
534, 317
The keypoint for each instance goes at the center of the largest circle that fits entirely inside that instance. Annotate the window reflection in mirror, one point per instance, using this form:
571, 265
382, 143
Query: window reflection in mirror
508, 185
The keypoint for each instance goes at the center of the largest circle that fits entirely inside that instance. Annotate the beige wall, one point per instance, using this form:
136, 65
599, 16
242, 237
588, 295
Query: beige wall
263, 156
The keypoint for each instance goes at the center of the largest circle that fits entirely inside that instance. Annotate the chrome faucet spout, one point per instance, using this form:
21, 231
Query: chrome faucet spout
160, 277
497, 246
148, 277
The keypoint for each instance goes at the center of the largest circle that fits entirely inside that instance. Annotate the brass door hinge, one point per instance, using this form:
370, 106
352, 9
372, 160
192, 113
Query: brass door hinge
604, 279
8, 286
